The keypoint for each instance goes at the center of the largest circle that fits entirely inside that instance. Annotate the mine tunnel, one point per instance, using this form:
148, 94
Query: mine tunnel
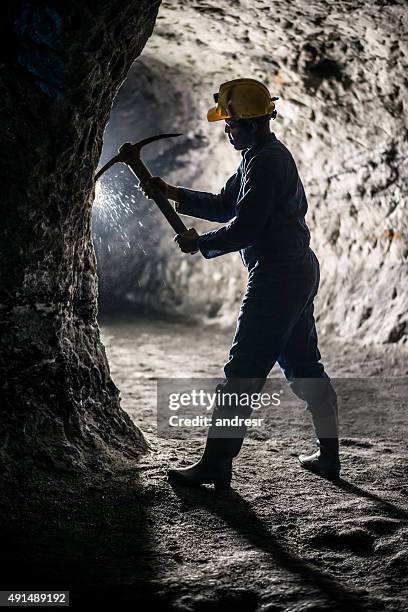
99, 306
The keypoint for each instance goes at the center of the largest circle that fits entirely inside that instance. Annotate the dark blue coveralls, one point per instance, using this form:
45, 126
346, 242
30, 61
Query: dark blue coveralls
264, 203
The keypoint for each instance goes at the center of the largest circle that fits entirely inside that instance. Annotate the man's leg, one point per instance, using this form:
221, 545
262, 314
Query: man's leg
300, 361
224, 440
274, 301
258, 340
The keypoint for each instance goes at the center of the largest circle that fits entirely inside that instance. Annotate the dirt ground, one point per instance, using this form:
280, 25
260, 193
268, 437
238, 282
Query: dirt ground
281, 540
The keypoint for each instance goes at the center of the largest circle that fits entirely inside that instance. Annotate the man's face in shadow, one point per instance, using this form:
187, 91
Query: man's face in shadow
241, 134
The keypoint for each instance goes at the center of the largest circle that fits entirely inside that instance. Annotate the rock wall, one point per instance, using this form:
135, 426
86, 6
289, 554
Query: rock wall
60, 69
340, 72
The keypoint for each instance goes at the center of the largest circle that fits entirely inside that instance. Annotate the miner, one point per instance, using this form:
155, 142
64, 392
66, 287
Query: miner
263, 206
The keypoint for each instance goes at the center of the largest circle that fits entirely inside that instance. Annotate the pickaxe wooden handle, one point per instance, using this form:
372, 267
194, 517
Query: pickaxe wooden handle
129, 154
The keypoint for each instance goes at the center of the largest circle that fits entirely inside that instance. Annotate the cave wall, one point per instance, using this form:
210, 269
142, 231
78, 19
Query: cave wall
60, 70
340, 72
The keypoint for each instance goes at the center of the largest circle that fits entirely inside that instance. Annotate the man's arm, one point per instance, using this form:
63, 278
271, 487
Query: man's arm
253, 210
212, 207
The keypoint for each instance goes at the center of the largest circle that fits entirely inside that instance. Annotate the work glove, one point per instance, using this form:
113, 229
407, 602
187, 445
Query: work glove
188, 241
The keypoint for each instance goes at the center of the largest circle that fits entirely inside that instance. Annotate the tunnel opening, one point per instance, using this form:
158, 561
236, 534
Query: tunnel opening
130, 235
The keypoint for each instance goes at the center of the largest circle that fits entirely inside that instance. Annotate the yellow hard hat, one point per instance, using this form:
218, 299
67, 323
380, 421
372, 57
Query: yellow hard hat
242, 99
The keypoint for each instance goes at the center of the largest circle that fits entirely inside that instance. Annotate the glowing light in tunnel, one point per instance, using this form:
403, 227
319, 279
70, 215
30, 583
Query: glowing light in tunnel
112, 213
110, 204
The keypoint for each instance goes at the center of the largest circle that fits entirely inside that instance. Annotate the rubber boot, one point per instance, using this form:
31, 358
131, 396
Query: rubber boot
326, 461
215, 465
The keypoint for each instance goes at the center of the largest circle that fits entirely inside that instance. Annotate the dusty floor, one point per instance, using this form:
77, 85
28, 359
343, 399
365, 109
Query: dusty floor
281, 540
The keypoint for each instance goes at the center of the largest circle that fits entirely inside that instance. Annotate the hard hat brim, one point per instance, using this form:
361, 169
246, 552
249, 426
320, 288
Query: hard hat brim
215, 114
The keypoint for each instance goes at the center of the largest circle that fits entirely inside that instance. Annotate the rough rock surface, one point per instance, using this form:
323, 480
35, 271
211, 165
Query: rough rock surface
340, 72
61, 67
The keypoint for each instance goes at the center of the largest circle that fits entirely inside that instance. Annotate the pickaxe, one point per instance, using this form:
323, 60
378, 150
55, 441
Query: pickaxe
130, 154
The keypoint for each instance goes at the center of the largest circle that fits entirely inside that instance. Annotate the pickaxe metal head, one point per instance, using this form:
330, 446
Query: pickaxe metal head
130, 152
